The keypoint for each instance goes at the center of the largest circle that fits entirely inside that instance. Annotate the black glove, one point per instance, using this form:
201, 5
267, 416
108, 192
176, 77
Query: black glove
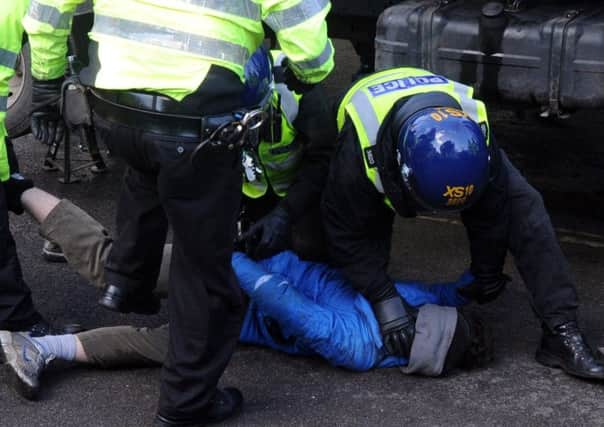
47, 124
13, 189
396, 325
284, 74
271, 234
484, 289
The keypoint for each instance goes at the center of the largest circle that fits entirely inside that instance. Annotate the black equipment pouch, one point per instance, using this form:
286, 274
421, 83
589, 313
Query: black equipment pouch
75, 107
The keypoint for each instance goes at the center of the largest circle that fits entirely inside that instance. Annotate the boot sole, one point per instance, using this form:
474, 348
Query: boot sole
14, 380
236, 412
552, 361
125, 307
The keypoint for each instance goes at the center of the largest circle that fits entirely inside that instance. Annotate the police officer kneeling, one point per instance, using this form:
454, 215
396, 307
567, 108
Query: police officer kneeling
410, 140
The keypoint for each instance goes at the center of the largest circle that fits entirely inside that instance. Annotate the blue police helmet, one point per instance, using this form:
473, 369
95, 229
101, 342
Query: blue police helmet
443, 158
258, 77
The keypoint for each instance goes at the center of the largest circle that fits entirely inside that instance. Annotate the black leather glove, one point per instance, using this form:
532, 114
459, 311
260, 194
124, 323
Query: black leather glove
47, 124
484, 289
284, 74
396, 325
13, 189
271, 234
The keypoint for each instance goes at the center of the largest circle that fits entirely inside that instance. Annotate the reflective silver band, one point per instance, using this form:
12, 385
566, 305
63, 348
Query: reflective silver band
49, 15
318, 61
7, 58
3, 103
289, 104
371, 124
295, 15
468, 105
241, 8
279, 60
171, 39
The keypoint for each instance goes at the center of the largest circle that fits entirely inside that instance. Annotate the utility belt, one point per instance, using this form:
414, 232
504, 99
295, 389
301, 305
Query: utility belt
163, 116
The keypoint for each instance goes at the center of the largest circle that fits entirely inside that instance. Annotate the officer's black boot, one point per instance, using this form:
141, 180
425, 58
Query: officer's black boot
225, 404
118, 299
565, 348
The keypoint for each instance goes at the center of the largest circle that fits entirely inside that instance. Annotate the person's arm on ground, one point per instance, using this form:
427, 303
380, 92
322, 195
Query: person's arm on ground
306, 323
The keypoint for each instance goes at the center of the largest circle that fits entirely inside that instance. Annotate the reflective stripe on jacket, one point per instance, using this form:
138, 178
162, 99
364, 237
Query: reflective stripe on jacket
369, 100
279, 161
169, 47
11, 37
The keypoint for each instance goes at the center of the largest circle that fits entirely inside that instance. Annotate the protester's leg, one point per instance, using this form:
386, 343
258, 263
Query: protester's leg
205, 304
85, 242
38, 203
17, 311
124, 346
537, 254
26, 357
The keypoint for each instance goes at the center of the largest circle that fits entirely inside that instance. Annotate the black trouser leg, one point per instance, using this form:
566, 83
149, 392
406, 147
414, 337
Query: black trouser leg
17, 311
205, 304
308, 237
538, 256
135, 257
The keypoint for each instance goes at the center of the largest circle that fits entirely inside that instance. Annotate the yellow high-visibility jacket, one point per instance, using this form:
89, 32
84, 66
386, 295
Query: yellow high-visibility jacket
11, 37
168, 46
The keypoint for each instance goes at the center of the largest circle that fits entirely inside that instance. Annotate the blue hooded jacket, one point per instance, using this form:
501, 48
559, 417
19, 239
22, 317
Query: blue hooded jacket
306, 308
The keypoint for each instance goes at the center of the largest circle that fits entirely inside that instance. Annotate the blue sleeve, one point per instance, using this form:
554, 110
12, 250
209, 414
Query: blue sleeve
316, 312
418, 294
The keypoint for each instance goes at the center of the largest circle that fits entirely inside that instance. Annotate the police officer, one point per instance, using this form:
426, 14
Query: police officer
284, 177
410, 140
168, 99
17, 312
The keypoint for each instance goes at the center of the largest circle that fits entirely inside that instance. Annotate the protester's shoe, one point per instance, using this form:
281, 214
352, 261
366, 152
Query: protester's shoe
52, 252
23, 361
566, 349
117, 299
225, 404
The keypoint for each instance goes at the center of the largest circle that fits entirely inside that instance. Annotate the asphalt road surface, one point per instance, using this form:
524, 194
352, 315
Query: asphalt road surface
563, 159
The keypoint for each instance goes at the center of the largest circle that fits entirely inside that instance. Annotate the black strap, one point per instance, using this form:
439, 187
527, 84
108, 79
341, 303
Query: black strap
108, 105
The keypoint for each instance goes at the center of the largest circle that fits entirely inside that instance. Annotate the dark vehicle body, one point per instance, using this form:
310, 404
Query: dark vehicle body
545, 53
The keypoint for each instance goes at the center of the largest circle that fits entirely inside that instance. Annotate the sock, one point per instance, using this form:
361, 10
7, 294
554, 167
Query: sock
56, 346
